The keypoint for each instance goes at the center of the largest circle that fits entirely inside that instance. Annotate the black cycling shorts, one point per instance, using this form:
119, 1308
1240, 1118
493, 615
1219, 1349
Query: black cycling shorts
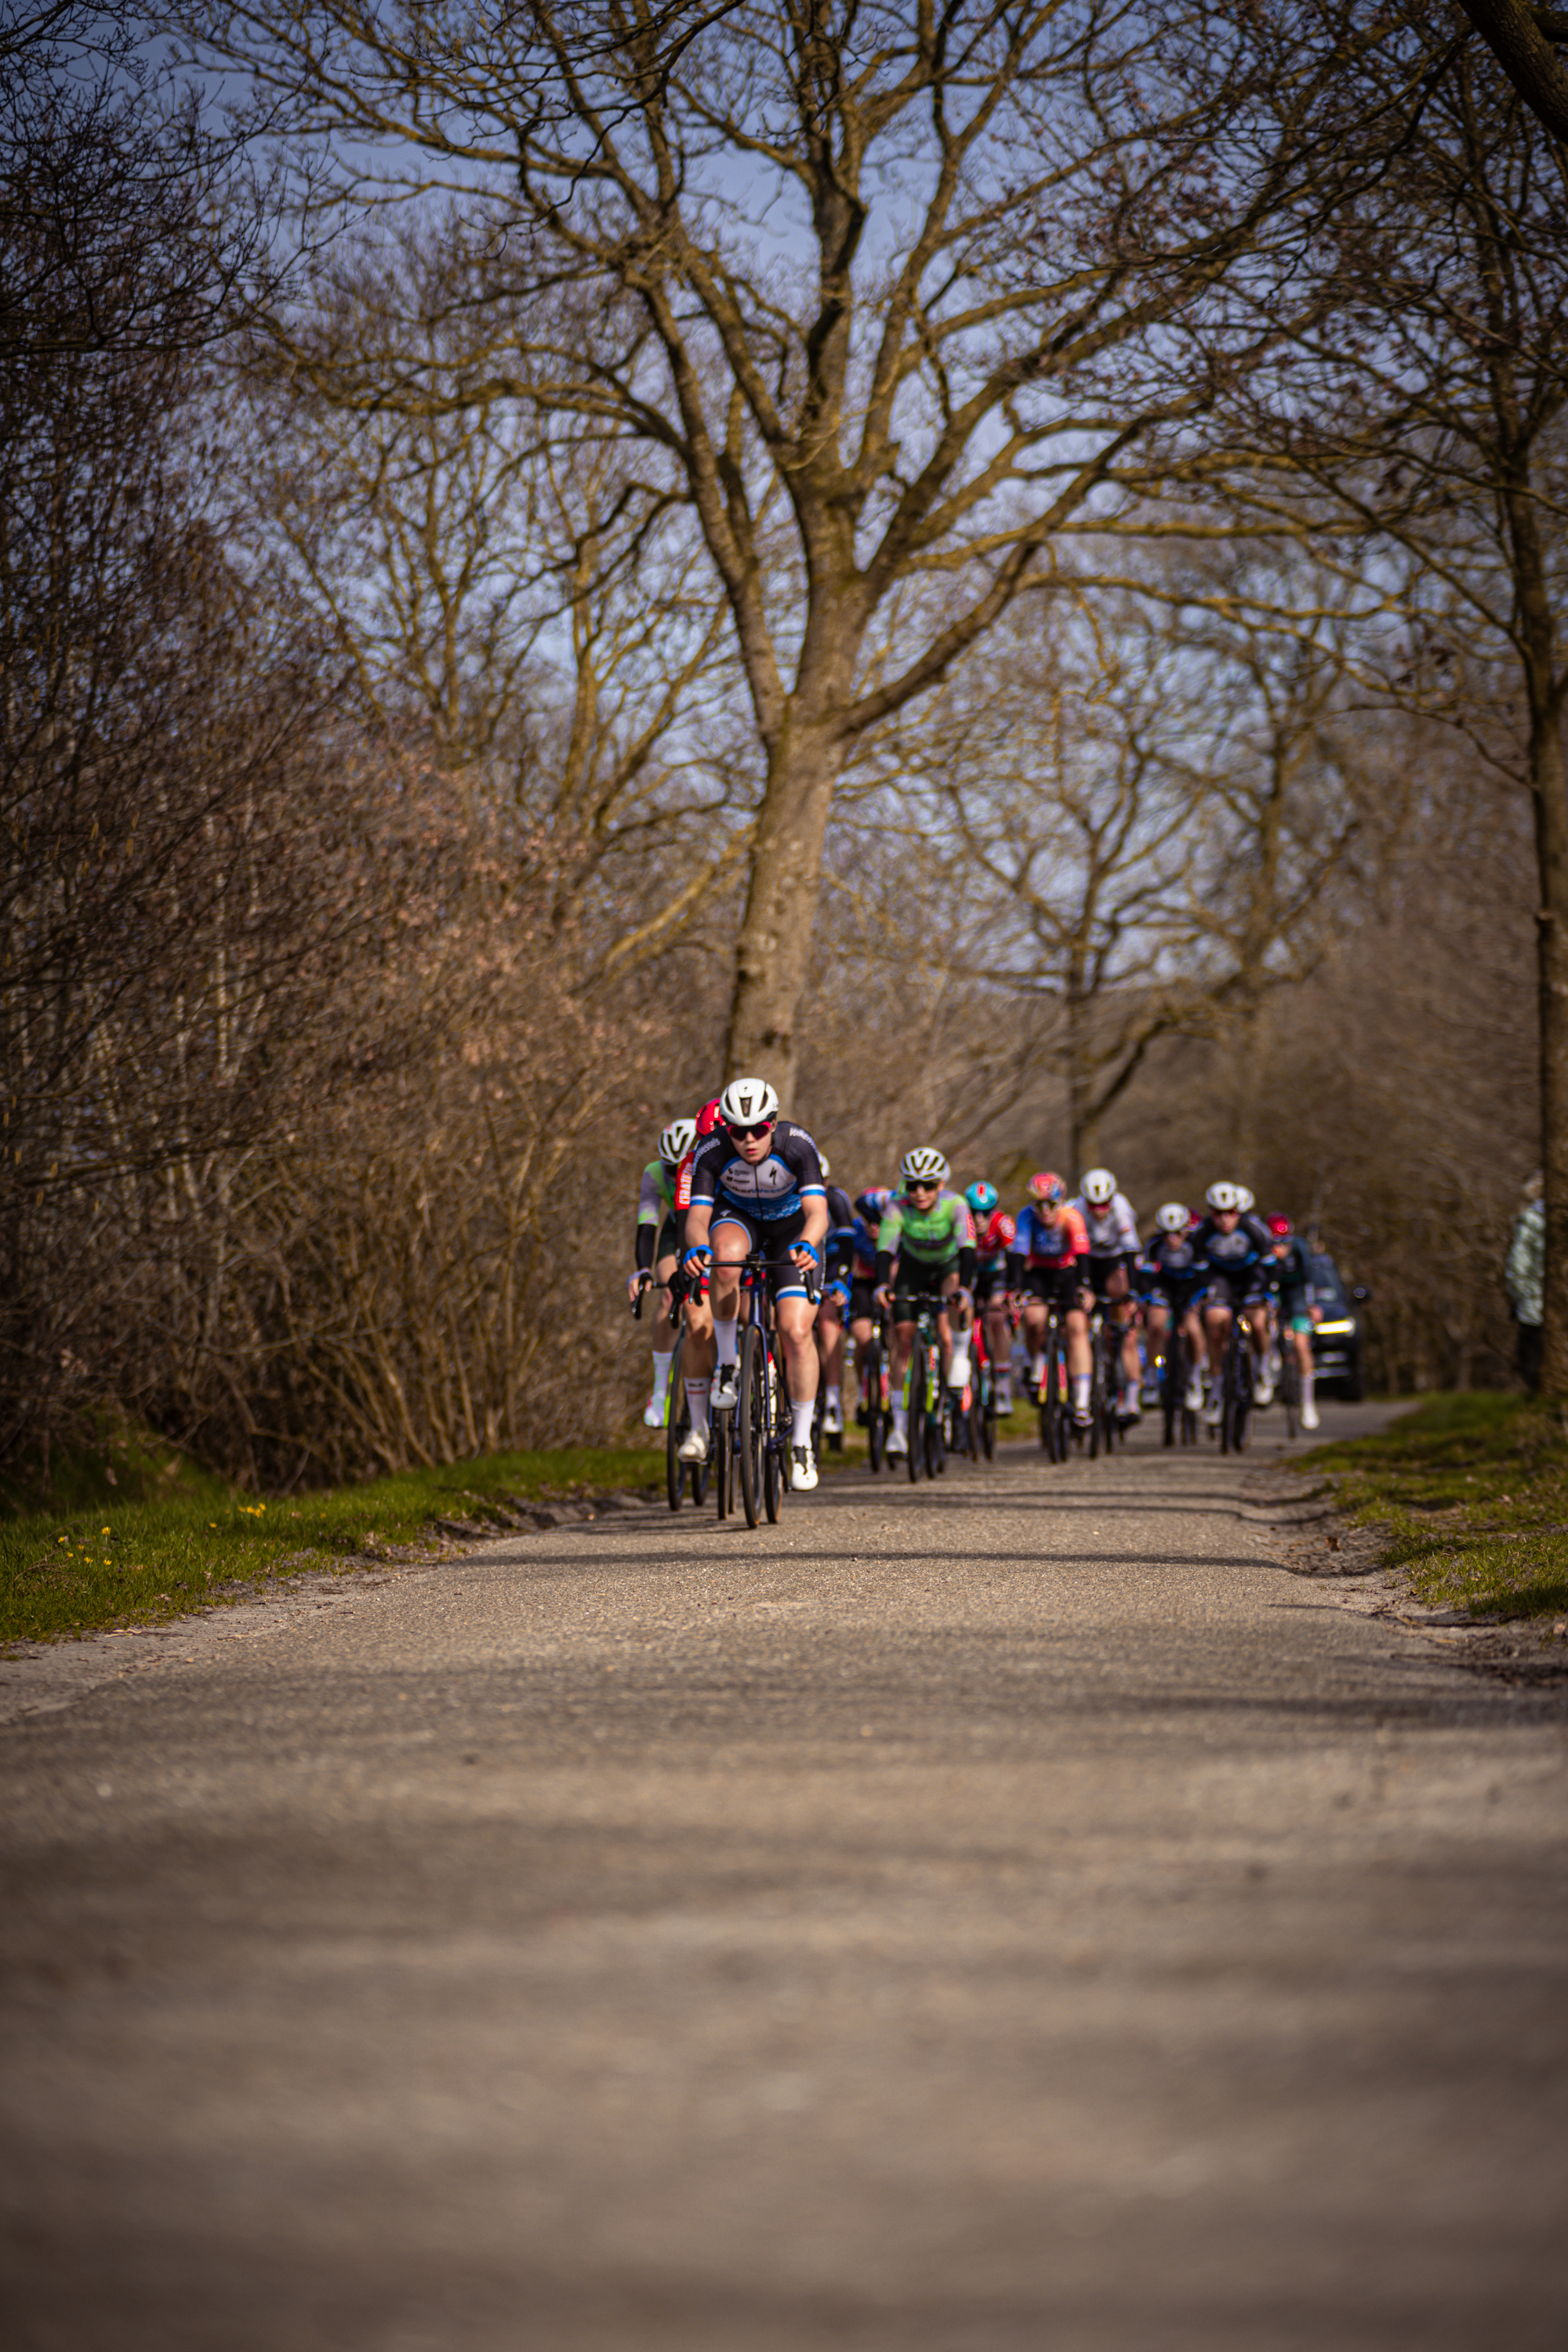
1236, 1291
863, 1298
669, 1241
1176, 1291
918, 1280
774, 1237
1056, 1285
1098, 1272
990, 1284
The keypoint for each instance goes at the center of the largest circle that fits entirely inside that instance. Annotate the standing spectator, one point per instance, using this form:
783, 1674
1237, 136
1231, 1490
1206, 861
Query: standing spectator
1524, 1275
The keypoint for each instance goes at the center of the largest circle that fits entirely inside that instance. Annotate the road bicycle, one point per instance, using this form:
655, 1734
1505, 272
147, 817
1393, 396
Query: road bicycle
678, 1406
872, 1374
1235, 1389
1290, 1389
1055, 1415
760, 1446
1179, 1419
982, 1415
924, 1396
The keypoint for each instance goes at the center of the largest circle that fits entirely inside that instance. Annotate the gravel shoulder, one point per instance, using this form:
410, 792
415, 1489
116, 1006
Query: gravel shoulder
1026, 1910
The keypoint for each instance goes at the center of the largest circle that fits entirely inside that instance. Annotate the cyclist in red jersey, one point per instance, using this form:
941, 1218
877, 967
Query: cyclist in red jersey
697, 1358
1047, 1266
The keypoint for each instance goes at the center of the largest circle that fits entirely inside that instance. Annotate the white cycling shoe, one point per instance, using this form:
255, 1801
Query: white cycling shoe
725, 1394
693, 1446
653, 1413
832, 1420
1132, 1405
1213, 1410
1309, 1416
803, 1469
1263, 1394
1194, 1400
898, 1443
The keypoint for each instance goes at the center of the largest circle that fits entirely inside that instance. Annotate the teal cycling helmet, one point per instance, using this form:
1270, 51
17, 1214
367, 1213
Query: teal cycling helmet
981, 1197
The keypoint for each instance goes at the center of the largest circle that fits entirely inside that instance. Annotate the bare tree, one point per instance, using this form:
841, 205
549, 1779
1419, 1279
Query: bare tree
507, 593
1432, 421
898, 287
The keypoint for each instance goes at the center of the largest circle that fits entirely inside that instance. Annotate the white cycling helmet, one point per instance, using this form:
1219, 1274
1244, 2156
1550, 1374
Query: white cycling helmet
1172, 1218
1245, 1201
1099, 1188
744, 1101
924, 1165
1222, 1196
678, 1138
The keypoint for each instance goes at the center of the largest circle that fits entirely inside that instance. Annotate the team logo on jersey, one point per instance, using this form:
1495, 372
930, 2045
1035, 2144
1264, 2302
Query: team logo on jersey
763, 1183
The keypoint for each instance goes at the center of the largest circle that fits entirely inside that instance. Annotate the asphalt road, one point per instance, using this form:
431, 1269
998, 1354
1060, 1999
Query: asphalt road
1012, 1914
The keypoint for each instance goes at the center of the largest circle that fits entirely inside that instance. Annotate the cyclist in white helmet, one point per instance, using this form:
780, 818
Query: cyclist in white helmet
657, 1243
1113, 1246
930, 1233
1169, 1277
757, 1184
1236, 1251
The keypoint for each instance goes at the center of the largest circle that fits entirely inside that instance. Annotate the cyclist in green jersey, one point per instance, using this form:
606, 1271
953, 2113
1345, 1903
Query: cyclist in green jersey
657, 1243
931, 1233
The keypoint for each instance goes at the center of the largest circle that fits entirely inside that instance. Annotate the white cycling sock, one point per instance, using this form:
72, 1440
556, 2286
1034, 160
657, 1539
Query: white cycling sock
801, 1415
726, 1329
901, 1419
1306, 1380
1037, 1368
1082, 1384
831, 1398
697, 1399
958, 1364
661, 1364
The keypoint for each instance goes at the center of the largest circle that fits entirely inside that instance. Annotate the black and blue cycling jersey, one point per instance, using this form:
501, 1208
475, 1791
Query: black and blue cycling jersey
838, 1250
770, 1193
1168, 1267
1235, 1263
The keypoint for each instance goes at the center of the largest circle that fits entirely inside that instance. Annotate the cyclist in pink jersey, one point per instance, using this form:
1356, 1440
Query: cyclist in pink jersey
1046, 1267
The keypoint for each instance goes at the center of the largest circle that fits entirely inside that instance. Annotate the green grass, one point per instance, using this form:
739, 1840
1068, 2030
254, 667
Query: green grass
1473, 1491
85, 1568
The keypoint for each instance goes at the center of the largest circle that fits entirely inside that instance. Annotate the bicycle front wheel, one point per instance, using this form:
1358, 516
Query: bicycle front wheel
677, 1424
777, 1454
916, 1420
752, 1431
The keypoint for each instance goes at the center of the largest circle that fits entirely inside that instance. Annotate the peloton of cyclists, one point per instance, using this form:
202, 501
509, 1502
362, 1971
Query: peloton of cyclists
740, 1180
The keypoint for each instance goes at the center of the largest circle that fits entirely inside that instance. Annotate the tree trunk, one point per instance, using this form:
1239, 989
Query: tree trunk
1549, 786
1083, 1117
773, 951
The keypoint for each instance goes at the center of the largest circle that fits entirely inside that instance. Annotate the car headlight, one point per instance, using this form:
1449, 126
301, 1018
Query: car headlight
1326, 1330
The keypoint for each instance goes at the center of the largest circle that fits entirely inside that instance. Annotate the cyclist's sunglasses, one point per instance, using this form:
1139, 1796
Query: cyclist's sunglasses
924, 1184
758, 1127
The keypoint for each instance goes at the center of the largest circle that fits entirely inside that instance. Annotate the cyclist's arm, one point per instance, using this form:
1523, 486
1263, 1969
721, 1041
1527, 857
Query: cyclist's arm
699, 1218
966, 1262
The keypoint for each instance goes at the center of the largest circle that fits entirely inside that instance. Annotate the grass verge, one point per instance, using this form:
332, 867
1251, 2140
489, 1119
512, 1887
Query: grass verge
89, 1569
1473, 1492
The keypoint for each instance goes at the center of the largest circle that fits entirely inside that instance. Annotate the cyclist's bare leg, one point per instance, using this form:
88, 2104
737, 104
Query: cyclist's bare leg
1216, 1328
830, 1342
796, 1319
999, 1345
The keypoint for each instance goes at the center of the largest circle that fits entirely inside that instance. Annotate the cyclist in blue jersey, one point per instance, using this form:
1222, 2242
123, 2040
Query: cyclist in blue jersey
1169, 1278
870, 1208
831, 1313
757, 1185
1234, 1251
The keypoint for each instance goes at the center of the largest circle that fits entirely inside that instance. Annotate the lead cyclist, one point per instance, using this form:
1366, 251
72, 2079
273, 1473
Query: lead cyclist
757, 1185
